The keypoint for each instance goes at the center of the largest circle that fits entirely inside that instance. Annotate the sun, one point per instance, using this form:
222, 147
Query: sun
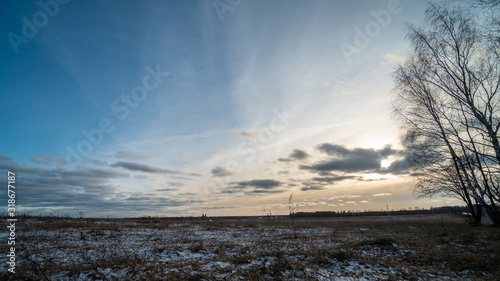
384, 163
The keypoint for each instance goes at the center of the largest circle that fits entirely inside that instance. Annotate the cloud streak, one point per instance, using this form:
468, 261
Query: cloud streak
255, 187
138, 167
297, 154
262, 184
91, 190
123, 154
220, 172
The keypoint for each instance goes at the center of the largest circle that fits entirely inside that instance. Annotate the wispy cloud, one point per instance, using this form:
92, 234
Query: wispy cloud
297, 154
381, 194
263, 184
220, 172
123, 154
7, 163
255, 187
132, 166
312, 187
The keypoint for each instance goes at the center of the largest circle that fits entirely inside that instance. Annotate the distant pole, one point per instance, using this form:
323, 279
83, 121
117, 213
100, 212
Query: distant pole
388, 213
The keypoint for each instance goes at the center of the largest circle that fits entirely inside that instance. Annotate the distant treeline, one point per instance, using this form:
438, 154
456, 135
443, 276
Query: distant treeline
432, 210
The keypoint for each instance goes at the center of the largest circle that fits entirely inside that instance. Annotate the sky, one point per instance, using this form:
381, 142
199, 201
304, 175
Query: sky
183, 108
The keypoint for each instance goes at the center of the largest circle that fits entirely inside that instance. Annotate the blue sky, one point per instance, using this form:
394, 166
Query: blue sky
189, 107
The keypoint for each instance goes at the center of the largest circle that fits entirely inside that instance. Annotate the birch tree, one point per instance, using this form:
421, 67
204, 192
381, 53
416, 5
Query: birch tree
448, 106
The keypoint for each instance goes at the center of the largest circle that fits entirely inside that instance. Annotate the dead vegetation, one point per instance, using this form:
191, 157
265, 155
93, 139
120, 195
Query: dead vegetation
404, 248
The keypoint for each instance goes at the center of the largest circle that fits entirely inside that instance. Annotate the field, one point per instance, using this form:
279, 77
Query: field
428, 247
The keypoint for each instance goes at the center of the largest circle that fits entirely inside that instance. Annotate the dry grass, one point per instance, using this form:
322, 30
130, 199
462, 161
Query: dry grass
404, 248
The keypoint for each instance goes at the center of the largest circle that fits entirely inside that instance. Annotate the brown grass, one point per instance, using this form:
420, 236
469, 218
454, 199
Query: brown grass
404, 248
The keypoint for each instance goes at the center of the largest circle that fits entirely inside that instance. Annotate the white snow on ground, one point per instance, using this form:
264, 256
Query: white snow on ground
113, 252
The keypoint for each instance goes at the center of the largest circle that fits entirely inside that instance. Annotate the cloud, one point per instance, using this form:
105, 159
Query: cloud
351, 165
122, 154
170, 183
333, 149
333, 179
312, 187
388, 151
47, 160
299, 154
382, 194
398, 167
5, 157
264, 191
187, 194
220, 172
320, 183
91, 174
296, 154
343, 197
95, 162
166, 189
218, 208
185, 177
54, 160
347, 160
262, 184
171, 186
131, 166
91, 190
254, 187
7, 163
247, 135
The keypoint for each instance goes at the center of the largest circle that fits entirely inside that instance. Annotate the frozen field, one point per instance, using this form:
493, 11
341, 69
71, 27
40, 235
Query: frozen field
365, 248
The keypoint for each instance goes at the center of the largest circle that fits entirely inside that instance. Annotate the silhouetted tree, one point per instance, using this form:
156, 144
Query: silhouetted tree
448, 105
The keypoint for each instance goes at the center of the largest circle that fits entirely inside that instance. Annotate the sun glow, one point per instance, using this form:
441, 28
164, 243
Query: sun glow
384, 163
375, 177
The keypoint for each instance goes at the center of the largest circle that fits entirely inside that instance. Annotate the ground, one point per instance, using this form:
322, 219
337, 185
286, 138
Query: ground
428, 247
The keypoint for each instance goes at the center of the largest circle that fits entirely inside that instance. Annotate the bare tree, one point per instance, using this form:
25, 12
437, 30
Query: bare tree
448, 105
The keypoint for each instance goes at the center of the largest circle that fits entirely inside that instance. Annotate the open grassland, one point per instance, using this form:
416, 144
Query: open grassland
361, 248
